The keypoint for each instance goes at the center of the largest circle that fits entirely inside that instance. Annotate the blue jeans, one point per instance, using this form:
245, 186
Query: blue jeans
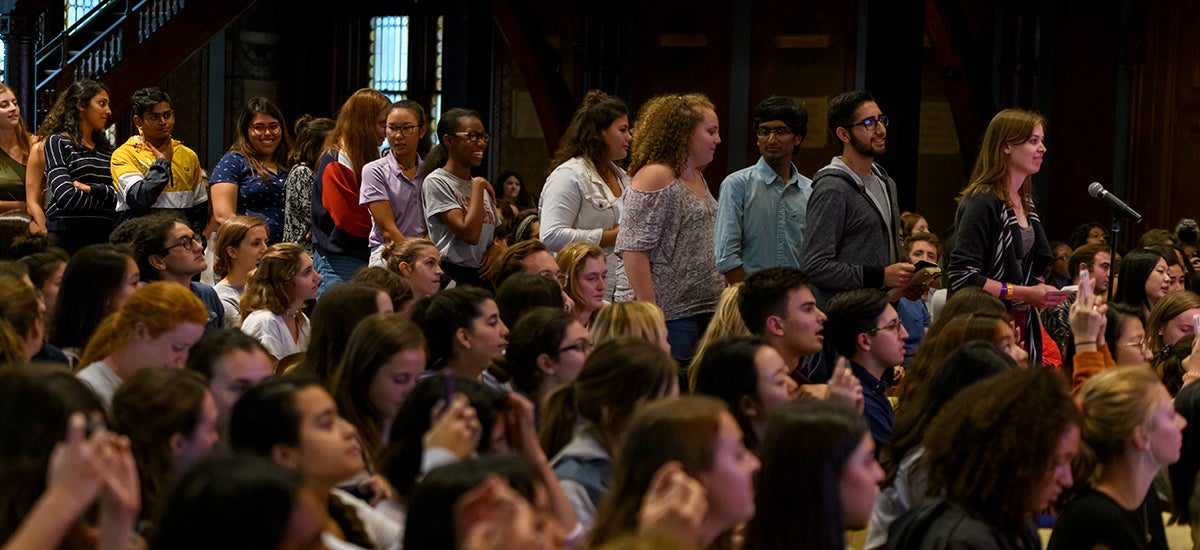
683, 335
335, 269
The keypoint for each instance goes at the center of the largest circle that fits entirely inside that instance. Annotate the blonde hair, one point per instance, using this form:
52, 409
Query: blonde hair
1114, 403
1168, 307
231, 233
571, 260
641, 320
726, 322
270, 284
1009, 127
405, 251
160, 306
664, 128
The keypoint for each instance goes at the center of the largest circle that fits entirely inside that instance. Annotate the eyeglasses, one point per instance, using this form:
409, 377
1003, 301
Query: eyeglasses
270, 127
188, 242
560, 277
405, 131
474, 137
872, 124
1140, 344
583, 346
765, 132
894, 325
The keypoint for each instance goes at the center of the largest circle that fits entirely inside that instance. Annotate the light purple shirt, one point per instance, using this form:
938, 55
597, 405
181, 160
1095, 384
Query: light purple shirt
382, 180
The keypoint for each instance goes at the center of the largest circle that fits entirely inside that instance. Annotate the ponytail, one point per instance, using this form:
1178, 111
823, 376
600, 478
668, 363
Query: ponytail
559, 416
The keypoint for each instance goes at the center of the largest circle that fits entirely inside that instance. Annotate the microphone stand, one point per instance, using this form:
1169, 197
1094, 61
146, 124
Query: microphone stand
1116, 230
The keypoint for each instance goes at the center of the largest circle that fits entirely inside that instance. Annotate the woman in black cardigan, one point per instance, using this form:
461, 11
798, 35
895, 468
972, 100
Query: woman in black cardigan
1000, 244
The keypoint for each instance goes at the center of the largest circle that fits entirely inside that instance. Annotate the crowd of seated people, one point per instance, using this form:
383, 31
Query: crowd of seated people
392, 350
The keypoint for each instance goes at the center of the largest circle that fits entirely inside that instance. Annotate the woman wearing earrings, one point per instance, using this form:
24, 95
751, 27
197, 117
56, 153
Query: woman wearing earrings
275, 293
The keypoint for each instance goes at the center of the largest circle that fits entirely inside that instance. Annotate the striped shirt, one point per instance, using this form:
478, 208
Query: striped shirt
67, 163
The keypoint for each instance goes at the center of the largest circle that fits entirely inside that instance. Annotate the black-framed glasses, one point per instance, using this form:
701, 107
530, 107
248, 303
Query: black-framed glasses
872, 124
406, 130
584, 346
781, 131
474, 137
894, 325
188, 242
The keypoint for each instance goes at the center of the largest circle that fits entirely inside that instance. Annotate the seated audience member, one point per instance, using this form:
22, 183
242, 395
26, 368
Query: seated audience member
521, 293
726, 322
912, 223
914, 314
21, 327
815, 487
1088, 233
586, 275
1130, 432
230, 361
1096, 261
514, 484
16, 240
1143, 280
295, 422
418, 261
866, 329
525, 226
701, 438
905, 485
170, 419
641, 320
1125, 336
546, 350
266, 505
1183, 472
1018, 462
152, 171
777, 306
156, 327
1177, 268
464, 332
167, 249
1057, 272
97, 282
382, 360
1156, 237
56, 468
275, 294
240, 244
1170, 320
584, 422
531, 258
396, 287
46, 273
337, 313
751, 378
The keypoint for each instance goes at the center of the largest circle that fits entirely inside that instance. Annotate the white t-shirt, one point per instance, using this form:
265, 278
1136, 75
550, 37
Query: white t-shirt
272, 332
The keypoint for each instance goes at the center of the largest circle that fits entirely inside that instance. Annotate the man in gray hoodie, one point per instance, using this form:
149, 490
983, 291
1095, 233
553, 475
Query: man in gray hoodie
852, 230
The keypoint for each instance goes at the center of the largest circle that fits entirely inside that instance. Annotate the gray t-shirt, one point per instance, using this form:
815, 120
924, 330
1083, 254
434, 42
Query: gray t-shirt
101, 379
674, 228
443, 192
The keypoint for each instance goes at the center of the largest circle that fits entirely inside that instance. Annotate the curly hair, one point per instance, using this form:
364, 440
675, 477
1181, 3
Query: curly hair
1012, 445
664, 127
584, 136
64, 115
270, 284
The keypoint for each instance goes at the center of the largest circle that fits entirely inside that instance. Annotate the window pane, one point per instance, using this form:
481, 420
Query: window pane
389, 55
76, 9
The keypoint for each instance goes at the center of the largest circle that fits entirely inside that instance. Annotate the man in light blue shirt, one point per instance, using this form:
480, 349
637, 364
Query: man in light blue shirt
761, 211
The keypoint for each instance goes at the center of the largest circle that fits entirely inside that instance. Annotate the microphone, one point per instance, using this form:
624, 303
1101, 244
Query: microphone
1098, 191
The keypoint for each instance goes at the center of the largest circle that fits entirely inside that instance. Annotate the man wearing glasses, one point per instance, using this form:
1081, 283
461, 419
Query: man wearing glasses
166, 249
864, 328
851, 236
761, 211
152, 171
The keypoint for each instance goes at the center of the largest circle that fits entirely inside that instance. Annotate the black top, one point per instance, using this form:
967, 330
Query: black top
1093, 519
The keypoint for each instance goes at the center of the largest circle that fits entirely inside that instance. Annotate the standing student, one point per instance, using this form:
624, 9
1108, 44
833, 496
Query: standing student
340, 225
391, 190
297, 212
249, 179
666, 240
14, 152
82, 205
582, 198
459, 209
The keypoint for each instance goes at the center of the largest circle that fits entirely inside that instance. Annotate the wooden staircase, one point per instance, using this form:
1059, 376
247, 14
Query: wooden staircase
128, 45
